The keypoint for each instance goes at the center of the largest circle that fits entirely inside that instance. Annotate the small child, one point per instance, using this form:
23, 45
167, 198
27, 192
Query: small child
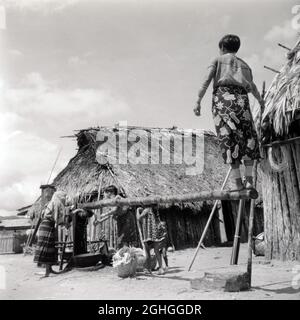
163, 241
150, 221
232, 81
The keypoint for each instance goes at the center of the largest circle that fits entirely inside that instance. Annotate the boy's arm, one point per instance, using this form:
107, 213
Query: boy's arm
207, 79
255, 92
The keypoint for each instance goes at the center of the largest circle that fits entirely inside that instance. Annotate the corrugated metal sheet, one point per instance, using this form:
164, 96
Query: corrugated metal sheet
12, 242
7, 243
15, 224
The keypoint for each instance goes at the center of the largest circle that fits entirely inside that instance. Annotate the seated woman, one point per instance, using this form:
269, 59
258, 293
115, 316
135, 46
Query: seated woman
150, 222
52, 216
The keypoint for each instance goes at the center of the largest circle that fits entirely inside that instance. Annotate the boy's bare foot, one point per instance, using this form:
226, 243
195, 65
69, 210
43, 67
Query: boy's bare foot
248, 185
161, 271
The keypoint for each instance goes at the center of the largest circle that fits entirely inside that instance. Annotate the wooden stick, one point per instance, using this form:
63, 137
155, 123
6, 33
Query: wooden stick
29, 238
139, 229
63, 251
54, 165
284, 47
237, 234
271, 69
208, 222
190, 197
36, 228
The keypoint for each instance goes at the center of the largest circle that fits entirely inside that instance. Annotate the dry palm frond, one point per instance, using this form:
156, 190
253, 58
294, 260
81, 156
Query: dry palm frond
283, 96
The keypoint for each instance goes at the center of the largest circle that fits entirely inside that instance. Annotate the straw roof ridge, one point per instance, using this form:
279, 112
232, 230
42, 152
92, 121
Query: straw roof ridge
283, 97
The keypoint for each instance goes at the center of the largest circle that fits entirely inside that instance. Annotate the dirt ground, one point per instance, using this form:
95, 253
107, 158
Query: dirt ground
270, 280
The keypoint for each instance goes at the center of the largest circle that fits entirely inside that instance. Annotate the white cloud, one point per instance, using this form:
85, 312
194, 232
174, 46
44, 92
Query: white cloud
15, 53
75, 61
282, 32
24, 162
2, 18
33, 116
39, 100
225, 21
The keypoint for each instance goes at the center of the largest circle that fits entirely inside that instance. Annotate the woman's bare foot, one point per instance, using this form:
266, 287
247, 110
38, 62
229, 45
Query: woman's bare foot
148, 271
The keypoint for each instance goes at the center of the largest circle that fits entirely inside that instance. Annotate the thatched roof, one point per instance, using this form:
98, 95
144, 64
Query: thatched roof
283, 96
84, 176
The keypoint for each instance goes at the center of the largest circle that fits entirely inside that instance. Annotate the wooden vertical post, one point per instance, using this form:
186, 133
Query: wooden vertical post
139, 229
252, 205
237, 234
111, 231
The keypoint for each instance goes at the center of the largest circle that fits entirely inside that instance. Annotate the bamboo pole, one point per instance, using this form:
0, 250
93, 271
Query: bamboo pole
252, 205
190, 197
250, 228
208, 222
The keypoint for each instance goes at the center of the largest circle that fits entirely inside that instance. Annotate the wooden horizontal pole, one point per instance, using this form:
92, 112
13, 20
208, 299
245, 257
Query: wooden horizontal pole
281, 142
190, 197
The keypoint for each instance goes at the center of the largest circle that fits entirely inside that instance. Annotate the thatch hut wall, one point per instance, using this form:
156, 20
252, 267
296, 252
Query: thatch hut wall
280, 169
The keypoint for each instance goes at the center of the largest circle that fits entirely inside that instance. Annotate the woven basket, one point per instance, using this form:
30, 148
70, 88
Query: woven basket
127, 270
259, 245
141, 263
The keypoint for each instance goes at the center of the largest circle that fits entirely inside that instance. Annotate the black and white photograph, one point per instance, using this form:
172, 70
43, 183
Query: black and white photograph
149, 151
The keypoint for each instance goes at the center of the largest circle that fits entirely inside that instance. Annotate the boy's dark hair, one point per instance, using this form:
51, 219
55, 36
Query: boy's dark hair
111, 189
230, 42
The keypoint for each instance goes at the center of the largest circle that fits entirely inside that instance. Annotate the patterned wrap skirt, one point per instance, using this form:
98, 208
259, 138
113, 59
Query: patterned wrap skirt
150, 228
234, 124
45, 252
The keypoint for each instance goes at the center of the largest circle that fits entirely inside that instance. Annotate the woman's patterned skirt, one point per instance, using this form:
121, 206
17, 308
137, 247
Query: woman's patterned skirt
45, 252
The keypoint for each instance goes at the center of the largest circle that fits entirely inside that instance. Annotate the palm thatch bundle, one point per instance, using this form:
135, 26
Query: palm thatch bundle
283, 97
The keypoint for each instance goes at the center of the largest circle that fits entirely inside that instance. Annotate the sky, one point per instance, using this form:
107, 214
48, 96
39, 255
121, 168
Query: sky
73, 64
